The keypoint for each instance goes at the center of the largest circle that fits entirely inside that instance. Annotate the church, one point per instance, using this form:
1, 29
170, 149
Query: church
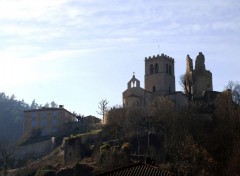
159, 83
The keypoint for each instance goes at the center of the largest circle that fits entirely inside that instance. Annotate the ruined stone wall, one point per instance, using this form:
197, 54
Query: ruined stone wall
200, 79
34, 150
188, 77
76, 148
72, 149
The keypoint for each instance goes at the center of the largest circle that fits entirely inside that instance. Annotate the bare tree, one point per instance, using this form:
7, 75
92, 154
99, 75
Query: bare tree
6, 154
102, 105
186, 84
80, 117
235, 91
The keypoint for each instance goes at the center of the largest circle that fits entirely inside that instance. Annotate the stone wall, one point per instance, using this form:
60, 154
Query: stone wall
202, 81
34, 150
133, 96
76, 148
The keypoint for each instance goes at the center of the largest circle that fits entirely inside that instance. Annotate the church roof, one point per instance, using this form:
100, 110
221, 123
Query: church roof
132, 95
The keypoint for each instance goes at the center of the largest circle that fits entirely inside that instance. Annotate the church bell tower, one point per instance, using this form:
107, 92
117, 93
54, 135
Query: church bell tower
159, 74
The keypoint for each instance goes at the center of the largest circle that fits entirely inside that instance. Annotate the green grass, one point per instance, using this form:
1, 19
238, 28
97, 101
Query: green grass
92, 132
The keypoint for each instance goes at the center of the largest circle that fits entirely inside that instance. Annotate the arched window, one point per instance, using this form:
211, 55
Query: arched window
166, 68
169, 89
170, 69
156, 68
151, 69
154, 88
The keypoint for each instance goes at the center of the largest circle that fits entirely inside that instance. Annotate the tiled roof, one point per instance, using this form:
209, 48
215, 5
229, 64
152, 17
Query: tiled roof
137, 169
43, 109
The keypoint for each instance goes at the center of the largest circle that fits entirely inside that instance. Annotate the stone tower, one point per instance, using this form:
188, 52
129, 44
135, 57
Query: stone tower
188, 77
134, 95
202, 78
198, 80
159, 74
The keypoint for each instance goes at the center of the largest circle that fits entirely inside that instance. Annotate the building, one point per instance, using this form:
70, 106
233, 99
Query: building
45, 121
160, 83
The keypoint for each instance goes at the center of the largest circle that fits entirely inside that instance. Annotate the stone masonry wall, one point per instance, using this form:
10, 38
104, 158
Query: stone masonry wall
34, 150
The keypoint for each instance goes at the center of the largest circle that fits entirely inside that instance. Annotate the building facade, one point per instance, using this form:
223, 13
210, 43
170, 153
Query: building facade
46, 121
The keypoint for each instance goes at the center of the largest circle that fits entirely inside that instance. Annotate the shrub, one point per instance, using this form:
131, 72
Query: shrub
43, 172
25, 172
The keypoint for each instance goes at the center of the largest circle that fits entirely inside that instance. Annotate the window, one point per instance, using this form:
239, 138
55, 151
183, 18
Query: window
43, 119
34, 119
43, 131
166, 68
54, 118
154, 88
44, 114
54, 113
169, 89
170, 69
151, 69
43, 122
54, 128
156, 68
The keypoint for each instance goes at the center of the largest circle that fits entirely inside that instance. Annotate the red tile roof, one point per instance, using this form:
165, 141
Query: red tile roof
137, 169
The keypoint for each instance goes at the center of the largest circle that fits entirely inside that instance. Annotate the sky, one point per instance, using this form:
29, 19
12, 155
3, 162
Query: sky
78, 52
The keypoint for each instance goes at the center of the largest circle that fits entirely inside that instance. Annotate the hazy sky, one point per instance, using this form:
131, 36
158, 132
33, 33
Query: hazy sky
77, 52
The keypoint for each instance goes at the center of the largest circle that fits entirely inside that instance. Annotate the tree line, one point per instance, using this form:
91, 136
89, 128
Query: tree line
190, 142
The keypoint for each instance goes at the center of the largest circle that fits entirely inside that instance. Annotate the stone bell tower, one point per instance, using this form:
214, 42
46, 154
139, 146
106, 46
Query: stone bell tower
134, 95
159, 74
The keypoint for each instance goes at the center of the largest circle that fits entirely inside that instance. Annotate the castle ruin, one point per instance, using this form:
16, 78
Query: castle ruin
197, 80
160, 82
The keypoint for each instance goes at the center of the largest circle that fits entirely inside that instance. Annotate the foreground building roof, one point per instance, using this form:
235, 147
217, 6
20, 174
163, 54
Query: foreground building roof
137, 169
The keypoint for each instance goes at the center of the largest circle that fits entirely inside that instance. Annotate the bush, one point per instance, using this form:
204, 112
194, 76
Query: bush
82, 170
126, 147
25, 172
43, 172
65, 171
